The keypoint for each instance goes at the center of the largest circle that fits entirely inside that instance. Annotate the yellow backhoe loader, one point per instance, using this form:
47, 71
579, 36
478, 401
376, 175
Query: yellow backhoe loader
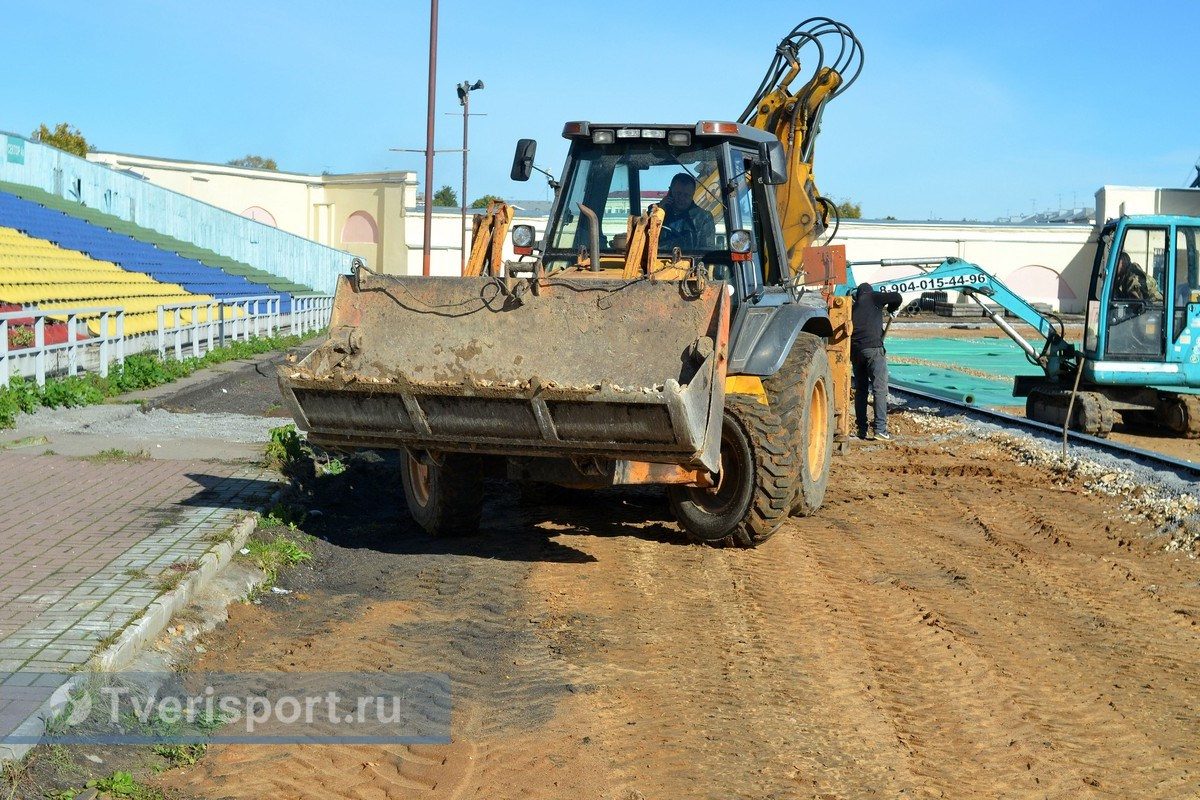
663, 329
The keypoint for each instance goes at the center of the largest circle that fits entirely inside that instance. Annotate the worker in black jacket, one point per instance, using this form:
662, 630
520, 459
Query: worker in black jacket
868, 356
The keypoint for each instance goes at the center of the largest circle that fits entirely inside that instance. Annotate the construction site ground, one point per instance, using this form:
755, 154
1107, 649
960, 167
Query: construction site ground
952, 624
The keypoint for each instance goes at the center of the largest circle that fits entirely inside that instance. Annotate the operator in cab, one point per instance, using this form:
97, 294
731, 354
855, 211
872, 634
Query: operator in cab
868, 357
691, 227
1132, 283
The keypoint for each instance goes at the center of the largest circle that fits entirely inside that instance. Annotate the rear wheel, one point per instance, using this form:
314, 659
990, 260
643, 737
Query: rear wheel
445, 499
754, 489
801, 393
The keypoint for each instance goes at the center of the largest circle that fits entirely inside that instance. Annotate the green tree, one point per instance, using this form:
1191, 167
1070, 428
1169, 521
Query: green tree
446, 196
849, 210
254, 162
482, 202
64, 137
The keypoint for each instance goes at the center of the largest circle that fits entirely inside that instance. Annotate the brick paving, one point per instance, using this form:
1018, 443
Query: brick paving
83, 544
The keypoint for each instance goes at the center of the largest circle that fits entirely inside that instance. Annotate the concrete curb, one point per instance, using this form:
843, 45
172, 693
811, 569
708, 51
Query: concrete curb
155, 619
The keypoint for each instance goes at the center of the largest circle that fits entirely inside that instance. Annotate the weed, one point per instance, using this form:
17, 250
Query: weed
335, 466
122, 784
282, 515
220, 537
115, 454
171, 577
136, 573
180, 755
21, 336
285, 447
108, 641
273, 554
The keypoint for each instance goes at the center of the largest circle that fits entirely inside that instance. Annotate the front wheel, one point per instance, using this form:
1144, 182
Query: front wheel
754, 488
443, 498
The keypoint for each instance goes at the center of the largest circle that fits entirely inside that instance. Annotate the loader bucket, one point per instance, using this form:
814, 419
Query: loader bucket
551, 367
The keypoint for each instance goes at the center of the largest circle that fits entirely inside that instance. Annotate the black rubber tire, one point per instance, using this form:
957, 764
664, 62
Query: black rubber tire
452, 500
757, 477
805, 374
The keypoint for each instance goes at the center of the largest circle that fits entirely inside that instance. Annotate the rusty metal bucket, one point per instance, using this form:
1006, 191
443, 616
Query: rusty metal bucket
552, 367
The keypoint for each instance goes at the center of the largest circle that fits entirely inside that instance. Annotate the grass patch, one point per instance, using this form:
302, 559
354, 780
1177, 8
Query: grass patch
220, 537
285, 448
271, 553
141, 371
115, 454
122, 784
180, 755
28, 441
282, 515
172, 576
136, 573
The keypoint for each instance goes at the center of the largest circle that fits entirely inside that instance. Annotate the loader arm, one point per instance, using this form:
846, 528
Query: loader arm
956, 275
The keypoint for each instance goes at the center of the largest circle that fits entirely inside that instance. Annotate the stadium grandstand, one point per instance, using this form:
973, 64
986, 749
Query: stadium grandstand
76, 237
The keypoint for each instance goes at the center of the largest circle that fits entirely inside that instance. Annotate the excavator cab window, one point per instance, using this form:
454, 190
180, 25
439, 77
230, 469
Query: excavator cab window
1187, 275
1136, 312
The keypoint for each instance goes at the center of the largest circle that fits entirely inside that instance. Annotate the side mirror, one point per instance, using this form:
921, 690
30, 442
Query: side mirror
522, 166
773, 163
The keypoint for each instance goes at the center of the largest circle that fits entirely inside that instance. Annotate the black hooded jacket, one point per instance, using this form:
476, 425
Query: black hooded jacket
868, 316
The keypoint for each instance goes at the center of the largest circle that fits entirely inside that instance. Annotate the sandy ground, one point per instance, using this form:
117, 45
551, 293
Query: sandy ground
952, 624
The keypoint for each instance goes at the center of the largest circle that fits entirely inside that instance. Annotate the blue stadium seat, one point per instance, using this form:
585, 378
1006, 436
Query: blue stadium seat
105, 245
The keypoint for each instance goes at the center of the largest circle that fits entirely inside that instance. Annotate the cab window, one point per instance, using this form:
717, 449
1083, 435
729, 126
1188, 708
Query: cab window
1136, 312
1187, 274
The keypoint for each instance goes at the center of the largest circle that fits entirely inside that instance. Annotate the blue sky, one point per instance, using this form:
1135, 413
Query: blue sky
965, 109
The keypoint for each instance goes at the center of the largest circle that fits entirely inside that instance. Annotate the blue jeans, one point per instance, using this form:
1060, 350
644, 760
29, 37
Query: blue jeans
870, 374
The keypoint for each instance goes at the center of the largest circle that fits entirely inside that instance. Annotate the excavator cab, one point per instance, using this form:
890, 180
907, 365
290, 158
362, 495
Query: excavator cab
1143, 311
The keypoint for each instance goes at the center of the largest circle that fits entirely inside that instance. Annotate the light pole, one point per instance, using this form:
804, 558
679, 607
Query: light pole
433, 36
464, 99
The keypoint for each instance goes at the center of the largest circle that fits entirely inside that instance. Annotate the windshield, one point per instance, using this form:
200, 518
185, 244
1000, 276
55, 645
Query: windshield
624, 180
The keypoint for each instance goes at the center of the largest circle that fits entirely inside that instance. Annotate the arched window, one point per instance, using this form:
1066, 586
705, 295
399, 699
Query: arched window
360, 227
260, 214
1039, 284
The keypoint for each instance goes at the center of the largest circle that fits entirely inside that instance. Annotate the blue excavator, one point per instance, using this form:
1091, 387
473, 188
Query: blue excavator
1140, 355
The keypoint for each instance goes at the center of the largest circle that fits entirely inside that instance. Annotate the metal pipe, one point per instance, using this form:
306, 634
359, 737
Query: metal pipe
900, 262
593, 236
946, 394
462, 256
1003, 325
433, 28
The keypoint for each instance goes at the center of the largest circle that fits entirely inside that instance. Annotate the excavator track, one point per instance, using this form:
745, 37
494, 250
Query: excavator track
1092, 413
1181, 414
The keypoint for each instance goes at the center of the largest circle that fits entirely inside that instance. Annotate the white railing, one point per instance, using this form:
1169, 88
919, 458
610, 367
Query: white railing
203, 326
311, 312
107, 347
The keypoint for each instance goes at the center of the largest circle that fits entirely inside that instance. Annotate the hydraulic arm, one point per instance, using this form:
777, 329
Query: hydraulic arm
1057, 356
794, 116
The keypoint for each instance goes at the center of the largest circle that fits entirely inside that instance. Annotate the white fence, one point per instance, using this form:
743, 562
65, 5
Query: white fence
185, 328
311, 312
102, 350
215, 323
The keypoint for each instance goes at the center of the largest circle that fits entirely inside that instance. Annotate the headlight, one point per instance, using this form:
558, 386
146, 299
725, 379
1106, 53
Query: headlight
522, 236
740, 242
602, 137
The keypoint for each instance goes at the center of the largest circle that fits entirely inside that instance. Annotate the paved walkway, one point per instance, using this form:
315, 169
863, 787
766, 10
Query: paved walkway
84, 544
